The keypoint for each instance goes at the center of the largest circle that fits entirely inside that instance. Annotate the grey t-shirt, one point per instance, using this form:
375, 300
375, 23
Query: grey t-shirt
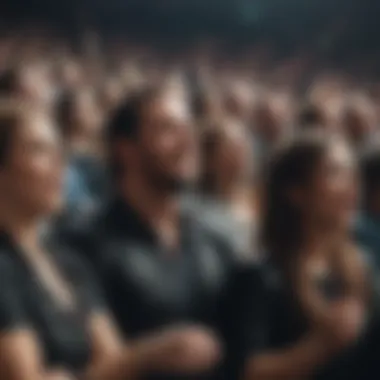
219, 218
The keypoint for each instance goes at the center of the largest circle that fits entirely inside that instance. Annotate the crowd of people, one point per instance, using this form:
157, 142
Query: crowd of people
166, 218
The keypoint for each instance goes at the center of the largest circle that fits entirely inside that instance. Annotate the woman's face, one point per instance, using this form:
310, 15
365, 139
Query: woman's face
331, 196
32, 174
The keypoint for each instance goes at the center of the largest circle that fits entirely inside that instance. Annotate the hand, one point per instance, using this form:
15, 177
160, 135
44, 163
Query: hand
59, 375
189, 349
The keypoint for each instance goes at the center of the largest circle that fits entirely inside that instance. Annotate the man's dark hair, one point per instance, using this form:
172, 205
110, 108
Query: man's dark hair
370, 175
125, 121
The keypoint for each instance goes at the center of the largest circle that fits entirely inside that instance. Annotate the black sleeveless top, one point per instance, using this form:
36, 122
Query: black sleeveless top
264, 318
26, 303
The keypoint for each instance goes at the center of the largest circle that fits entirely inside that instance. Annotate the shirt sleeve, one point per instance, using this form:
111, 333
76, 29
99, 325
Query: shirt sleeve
12, 312
85, 283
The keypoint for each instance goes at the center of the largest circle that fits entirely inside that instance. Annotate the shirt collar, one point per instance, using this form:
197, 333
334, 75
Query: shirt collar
123, 219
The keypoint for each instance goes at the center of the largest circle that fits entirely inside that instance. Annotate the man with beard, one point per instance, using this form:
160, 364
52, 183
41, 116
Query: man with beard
164, 272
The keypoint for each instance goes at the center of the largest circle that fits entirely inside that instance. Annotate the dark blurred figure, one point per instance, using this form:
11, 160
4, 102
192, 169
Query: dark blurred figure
161, 267
80, 120
311, 116
227, 182
315, 314
368, 224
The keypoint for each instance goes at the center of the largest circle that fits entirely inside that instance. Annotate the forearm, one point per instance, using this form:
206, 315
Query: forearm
116, 367
185, 350
51, 374
141, 356
58, 374
294, 363
192, 351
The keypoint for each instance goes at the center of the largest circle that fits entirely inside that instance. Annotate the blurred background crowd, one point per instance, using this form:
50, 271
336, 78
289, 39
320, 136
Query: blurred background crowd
282, 101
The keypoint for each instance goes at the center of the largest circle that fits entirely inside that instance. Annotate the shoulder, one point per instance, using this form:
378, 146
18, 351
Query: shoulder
218, 236
11, 281
93, 242
8, 262
82, 277
80, 233
7, 265
217, 225
77, 269
13, 308
210, 214
69, 260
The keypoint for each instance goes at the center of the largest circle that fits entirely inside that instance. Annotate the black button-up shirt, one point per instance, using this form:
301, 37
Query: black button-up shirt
149, 287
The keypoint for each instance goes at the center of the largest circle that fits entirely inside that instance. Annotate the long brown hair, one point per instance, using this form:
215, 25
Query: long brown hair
292, 165
282, 234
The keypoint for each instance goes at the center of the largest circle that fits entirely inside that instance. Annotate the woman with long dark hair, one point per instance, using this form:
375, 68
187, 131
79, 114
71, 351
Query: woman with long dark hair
314, 304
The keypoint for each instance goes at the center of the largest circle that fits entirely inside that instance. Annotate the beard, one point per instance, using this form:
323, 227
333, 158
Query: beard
170, 184
165, 182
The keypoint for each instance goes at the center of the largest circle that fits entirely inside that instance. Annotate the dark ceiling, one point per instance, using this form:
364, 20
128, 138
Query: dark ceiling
338, 25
